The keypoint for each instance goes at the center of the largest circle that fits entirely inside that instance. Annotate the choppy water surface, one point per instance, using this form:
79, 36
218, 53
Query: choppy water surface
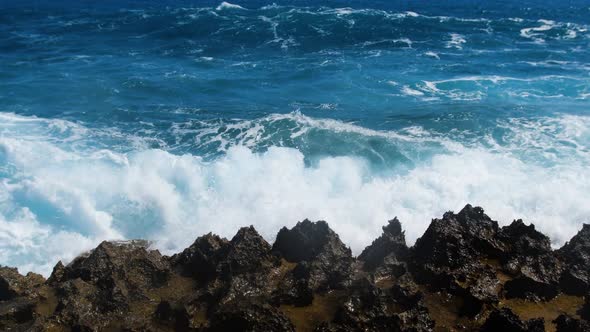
169, 120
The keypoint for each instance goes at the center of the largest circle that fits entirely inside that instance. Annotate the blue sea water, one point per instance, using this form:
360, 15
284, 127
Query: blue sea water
169, 119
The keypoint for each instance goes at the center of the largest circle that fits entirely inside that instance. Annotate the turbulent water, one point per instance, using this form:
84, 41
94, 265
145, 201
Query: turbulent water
167, 120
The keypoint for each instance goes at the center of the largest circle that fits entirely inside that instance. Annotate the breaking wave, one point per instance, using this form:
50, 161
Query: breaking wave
62, 193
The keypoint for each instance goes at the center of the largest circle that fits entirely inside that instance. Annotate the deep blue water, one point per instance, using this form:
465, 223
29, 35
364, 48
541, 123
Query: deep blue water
169, 119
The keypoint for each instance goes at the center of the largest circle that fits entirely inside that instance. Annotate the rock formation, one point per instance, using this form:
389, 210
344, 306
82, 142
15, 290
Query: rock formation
466, 273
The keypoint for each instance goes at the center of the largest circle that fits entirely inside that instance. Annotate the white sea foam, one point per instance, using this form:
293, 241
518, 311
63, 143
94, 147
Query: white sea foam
406, 41
227, 5
432, 54
411, 92
475, 87
457, 41
535, 33
57, 202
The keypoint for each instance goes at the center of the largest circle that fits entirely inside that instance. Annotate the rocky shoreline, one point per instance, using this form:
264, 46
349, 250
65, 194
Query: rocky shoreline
464, 274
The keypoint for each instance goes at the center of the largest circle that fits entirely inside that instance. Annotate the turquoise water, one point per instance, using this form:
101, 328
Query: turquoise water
167, 120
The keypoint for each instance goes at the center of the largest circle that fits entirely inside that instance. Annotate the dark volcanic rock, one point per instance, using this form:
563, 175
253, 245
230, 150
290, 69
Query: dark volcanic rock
201, 259
96, 290
529, 258
308, 240
245, 270
173, 315
457, 239
524, 240
369, 308
565, 323
389, 250
324, 262
585, 311
462, 274
506, 321
250, 317
451, 257
129, 261
576, 255
248, 253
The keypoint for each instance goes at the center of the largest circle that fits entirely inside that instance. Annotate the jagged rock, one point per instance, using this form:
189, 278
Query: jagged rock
324, 262
18, 297
369, 308
248, 252
96, 290
506, 321
13, 284
307, 240
530, 260
451, 255
245, 271
479, 292
521, 239
565, 323
293, 290
536, 277
201, 259
57, 274
388, 251
129, 261
249, 317
452, 247
211, 257
457, 239
463, 270
576, 254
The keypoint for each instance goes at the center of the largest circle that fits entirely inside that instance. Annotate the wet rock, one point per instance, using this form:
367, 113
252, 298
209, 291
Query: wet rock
576, 255
521, 239
529, 259
536, 277
249, 317
210, 257
96, 290
479, 292
201, 259
369, 308
245, 270
451, 255
457, 239
129, 261
389, 251
506, 321
324, 262
452, 247
248, 252
565, 323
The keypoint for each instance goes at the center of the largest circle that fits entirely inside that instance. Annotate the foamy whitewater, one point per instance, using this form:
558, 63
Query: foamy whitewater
167, 121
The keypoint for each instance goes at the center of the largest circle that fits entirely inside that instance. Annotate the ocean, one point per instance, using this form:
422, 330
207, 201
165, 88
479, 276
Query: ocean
166, 120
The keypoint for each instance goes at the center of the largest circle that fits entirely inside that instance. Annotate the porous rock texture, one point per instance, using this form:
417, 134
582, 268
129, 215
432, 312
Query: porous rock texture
466, 273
